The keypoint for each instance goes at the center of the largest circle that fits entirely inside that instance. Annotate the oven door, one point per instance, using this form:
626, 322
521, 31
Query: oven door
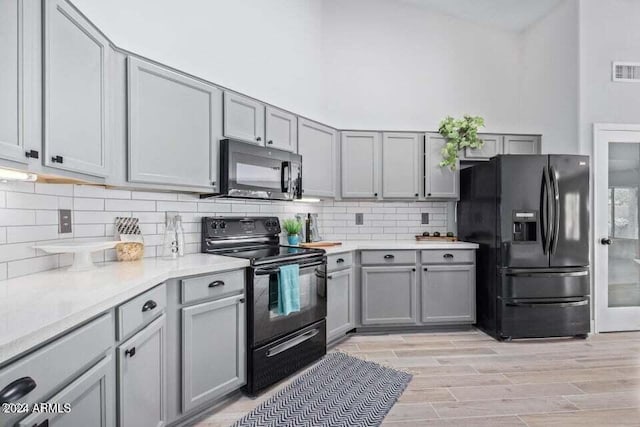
258, 172
265, 322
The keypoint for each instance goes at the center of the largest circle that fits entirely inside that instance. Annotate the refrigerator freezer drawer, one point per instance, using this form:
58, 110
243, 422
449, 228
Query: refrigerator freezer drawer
549, 284
539, 319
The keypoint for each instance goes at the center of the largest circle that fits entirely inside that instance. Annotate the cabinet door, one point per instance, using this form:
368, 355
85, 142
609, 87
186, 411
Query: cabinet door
360, 164
11, 80
440, 182
281, 129
243, 118
340, 304
317, 146
492, 147
449, 294
522, 144
175, 124
142, 377
76, 77
401, 165
91, 400
213, 350
388, 295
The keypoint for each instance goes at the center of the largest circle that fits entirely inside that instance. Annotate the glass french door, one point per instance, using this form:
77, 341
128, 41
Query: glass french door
617, 249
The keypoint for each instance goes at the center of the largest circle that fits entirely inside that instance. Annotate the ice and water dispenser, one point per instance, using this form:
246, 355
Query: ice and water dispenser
525, 226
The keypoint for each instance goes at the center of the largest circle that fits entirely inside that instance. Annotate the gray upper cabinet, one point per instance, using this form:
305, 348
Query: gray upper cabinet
141, 377
91, 397
389, 295
243, 118
213, 350
448, 294
401, 156
340, 303
360, 158
76, 78
281, 129
317, 145
11, 80
522, 144
492, 147
440, 182
174, 124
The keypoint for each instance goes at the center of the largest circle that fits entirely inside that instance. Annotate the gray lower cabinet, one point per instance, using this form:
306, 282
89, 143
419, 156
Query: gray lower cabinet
91, 400
340, 304
522, 144
448, 294
281, 129
401, 165
389, 295
141, 377
243, 118
359, 164
492, 147
174, 127
213, 350
76, 79
439, 182
319, 143
12, 80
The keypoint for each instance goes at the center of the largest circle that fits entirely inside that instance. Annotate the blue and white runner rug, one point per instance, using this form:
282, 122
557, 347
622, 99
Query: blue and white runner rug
340, 390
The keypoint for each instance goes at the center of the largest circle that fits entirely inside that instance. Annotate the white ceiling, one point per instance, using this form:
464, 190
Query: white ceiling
511, 15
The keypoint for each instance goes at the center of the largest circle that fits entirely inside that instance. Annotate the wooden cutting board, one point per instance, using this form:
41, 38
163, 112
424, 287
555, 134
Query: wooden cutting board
320, 244
421, 238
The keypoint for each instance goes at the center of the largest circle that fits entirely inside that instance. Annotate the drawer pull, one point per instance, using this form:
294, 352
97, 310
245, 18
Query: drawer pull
131, 352
339, 260
448, 256
389, 256
216, 284
17, 390
149, 305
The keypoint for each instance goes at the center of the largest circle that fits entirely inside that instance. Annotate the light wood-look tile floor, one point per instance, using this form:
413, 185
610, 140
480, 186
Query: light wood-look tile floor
469, 379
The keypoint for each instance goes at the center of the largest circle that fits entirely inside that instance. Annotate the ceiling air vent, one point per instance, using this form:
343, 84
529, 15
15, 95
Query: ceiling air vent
626, 72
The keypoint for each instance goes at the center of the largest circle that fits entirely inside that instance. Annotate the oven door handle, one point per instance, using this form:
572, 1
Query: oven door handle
293, 342
265, 271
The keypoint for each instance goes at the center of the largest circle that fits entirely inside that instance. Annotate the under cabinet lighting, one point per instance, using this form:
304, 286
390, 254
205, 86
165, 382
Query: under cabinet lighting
308, 200
9, 175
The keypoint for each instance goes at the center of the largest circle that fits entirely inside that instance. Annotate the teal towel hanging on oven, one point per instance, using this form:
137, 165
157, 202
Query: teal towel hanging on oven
289, 289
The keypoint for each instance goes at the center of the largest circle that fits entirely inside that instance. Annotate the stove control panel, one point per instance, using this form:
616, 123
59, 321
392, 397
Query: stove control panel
230, 227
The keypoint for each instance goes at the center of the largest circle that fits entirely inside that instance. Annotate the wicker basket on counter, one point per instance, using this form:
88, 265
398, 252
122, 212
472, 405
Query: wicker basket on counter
129, 251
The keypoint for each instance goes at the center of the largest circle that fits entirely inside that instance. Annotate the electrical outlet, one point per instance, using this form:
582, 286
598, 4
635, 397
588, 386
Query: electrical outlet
359, 219
425, 218
64, 221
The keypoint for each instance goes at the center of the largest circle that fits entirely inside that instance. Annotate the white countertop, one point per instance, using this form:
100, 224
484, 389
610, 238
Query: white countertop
38, 307
355, 245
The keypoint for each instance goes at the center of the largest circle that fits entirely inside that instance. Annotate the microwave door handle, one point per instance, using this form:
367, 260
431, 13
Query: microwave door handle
284, 184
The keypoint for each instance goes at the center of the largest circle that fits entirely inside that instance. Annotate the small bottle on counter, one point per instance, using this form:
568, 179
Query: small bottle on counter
180, 235
170, 242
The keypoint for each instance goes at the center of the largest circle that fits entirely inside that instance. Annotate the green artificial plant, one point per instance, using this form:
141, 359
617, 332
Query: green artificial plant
460, 134
292, 226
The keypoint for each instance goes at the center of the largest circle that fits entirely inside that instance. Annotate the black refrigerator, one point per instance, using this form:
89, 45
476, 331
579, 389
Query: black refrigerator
530, 216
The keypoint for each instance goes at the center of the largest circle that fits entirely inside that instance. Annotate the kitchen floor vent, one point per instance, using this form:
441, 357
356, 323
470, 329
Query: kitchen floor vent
626, 72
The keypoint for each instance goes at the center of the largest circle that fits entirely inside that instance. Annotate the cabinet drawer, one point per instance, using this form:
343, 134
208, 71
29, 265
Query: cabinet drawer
453, 256
141, 310
388, 257
55, 364
339, 261
212, 285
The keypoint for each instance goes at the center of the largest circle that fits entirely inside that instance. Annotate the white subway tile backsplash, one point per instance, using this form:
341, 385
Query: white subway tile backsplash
28, 214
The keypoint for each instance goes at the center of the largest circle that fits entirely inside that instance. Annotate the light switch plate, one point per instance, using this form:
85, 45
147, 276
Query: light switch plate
425, 218
359, 219
64, 221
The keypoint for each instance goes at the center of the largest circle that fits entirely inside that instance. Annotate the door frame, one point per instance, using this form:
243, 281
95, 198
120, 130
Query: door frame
625, 318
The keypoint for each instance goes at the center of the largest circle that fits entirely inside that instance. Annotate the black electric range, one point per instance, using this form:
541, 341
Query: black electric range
277, 344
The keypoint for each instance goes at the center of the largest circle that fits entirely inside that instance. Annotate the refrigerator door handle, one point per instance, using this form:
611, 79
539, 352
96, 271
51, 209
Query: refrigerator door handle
546, 305
556, 210
545, 224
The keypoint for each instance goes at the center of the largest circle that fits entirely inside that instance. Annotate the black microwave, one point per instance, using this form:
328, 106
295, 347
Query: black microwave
257, 172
